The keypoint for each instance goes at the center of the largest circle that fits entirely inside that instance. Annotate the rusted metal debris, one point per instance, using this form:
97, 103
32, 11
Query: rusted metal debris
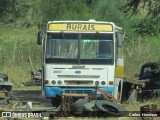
5, 89
36, 76
76, 103
149, 74
107, 96
67, 99
2, 94
150, 112
62, 111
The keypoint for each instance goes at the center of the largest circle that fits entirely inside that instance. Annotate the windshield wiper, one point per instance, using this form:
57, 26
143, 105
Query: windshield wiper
95, 37
62, 35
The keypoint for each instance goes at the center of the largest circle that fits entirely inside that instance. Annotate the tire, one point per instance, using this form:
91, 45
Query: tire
109, 107
4, 77
56, 101
89, 106
77, 107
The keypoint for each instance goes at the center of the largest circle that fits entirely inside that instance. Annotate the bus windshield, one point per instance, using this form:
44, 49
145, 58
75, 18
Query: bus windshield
80, 48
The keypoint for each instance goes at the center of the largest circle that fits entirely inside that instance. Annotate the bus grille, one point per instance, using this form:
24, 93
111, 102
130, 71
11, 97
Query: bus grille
78, 91
78, 76
78, 82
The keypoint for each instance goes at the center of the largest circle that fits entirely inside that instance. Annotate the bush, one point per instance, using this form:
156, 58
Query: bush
148, 27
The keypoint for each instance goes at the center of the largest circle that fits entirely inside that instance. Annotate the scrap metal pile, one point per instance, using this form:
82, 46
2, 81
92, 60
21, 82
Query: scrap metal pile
36, 76
5, 88
77, 104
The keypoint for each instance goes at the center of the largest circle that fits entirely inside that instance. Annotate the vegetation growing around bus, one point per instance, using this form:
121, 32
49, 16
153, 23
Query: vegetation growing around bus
20, 21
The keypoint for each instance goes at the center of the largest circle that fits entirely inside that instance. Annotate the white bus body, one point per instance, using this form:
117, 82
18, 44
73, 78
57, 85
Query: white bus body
78, 55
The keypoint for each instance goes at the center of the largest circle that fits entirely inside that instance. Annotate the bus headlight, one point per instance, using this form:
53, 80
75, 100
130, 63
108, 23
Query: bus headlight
53, 82
103, 83
97, 83
59, 82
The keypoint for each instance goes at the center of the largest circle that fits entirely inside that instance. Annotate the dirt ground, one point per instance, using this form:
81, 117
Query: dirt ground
40, 102
33, 96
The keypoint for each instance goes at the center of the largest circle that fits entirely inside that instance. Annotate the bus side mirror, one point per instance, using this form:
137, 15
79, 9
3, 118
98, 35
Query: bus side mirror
120, 39
39, 38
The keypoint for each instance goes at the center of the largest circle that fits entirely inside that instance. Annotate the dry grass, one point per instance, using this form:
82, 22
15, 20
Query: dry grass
17, 43
139, 51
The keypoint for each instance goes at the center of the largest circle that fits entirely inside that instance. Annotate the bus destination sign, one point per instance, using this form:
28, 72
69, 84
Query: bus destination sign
80, 27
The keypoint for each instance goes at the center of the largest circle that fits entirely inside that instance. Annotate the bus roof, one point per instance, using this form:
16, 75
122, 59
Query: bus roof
90, 26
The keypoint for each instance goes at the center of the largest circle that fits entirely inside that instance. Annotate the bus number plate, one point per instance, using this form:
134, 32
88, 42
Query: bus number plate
57, 71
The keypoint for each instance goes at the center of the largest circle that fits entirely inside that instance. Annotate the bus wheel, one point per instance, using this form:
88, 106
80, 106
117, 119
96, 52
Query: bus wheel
56, 101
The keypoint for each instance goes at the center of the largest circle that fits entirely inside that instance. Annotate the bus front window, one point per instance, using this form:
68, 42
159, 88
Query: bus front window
80, 48
61, 48
67, 49
96, 49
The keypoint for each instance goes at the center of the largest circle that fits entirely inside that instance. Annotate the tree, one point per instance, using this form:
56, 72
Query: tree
4, 7
152, 7
109, 10
65, 9
7, 8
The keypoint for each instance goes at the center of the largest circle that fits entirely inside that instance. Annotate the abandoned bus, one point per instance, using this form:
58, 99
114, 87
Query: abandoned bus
78, 55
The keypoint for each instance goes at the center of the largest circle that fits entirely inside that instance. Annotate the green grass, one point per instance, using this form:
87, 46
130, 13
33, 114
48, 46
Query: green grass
16, 45
139, 50
22, 87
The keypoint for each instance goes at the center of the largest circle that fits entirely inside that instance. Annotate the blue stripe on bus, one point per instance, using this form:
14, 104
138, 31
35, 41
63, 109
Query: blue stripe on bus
51, 91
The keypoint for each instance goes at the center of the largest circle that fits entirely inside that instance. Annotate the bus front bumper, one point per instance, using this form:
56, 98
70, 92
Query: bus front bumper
51, 91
